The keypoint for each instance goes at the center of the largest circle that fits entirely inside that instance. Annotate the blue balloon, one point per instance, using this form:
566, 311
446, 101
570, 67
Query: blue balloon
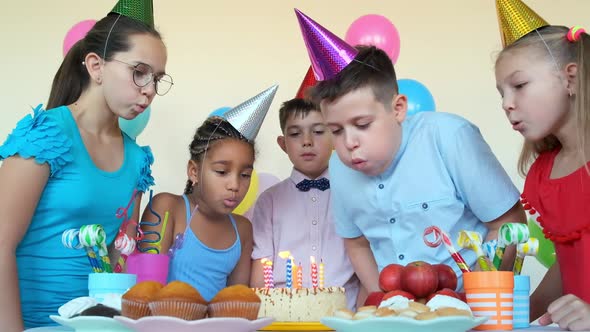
419, 98
220, 111
135, 126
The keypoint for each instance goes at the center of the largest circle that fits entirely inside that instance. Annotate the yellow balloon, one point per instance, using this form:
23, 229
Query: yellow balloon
250, 197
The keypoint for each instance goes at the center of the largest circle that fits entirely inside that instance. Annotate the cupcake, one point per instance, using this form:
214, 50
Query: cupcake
235, 301
179, 299
135, 302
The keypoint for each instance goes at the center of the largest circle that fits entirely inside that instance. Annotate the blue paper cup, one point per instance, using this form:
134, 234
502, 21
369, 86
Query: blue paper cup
107, 288
522, 288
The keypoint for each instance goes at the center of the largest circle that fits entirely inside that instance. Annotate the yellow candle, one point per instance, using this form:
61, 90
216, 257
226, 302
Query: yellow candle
321, 277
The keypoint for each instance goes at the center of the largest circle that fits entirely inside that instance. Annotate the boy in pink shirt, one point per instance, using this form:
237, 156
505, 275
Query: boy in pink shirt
294, 215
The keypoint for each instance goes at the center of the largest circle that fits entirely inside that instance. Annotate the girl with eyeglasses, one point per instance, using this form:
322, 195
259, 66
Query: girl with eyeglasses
71, 165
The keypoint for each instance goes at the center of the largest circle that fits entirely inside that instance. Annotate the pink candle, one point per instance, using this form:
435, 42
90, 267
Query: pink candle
314, 272
268, 274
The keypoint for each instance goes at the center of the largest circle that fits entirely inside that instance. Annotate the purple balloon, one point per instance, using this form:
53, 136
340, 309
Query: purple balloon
77, 32
375, 30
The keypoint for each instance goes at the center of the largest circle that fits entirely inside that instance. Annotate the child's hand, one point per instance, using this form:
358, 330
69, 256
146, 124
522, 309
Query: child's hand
569, 312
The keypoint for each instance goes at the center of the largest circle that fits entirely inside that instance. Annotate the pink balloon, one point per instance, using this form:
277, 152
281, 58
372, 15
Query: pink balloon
77, 32
375, 30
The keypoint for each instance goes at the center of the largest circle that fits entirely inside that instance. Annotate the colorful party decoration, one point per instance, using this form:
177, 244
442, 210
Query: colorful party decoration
516, 19
473, 241
528, 248
308, 82
250, 197
77, 32
546, 255
509, 234
220, 111
268, 273
440, 237
328, 53
314, 272
289, 267
248, 116
140, 10
135, 126
419, 98
375, 30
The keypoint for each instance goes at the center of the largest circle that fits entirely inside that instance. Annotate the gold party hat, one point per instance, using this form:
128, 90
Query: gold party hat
516, 20
140, 10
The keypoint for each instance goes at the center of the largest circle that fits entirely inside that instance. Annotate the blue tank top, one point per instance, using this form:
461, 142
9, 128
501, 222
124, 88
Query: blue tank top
204, 268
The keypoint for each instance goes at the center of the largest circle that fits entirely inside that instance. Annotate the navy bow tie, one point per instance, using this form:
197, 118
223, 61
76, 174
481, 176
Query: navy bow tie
321, 184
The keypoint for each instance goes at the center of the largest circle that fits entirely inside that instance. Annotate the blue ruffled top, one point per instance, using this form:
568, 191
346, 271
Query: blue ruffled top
77, 193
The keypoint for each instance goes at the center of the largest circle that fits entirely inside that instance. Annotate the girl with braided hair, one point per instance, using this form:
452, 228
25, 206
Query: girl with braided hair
210, 247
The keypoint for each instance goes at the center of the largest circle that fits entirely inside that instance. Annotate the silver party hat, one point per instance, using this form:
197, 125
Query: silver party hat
248, 116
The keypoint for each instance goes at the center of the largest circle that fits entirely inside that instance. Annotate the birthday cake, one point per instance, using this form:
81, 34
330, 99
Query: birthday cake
300, 305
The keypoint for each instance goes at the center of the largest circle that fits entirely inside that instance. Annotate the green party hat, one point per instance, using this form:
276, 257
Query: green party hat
140, 10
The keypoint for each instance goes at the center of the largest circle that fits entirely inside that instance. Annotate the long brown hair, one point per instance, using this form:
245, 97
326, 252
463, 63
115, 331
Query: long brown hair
72, 78
551, 42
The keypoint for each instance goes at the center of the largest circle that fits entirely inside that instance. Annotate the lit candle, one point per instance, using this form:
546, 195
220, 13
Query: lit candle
299, 284
289, 268
321, 273
314, 272
267, 269
271, 278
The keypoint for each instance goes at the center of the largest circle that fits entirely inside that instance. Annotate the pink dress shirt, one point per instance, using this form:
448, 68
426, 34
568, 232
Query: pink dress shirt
286, 218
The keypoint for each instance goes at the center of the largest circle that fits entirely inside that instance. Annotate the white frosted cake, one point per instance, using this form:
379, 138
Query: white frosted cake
300, 305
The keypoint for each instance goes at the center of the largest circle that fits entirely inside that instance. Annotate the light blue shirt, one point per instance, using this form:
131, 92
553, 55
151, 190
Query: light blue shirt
77, 193
444, 174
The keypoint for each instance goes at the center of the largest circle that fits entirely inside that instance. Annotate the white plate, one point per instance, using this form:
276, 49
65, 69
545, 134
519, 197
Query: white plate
406, 324
165, 324
91, 324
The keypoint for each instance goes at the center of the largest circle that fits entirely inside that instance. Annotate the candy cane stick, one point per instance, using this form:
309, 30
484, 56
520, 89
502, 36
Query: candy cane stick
442, 237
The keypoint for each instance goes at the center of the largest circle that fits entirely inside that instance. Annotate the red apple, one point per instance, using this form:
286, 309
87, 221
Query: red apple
446, 276
393, 293
462, 296
390, 277
420, 279
447, 292
374, 299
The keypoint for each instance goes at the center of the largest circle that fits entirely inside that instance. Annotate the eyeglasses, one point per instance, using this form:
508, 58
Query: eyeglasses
143, 74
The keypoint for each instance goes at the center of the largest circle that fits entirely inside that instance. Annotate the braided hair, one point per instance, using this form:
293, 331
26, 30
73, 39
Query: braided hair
213, 129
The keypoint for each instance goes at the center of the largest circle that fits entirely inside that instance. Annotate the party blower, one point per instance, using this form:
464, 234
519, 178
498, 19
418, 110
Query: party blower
509, 234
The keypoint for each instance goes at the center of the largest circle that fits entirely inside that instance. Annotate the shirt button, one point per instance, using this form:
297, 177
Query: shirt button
315, 222
381, 186
313, 199
425, 206
401, 257
392, 220
313, 248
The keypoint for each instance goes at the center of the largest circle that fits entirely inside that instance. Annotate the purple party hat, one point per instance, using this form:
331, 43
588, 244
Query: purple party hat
328, 53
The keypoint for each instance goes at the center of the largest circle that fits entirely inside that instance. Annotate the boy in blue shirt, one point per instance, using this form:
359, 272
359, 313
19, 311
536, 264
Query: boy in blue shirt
394, 176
